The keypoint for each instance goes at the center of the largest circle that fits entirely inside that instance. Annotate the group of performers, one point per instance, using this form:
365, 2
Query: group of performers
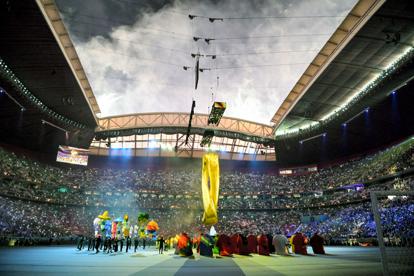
224, 245
111, 235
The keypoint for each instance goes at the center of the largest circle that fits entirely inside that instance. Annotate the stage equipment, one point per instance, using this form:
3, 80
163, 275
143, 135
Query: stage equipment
210, 193
216, 113
207, 137
189, 122
313, 137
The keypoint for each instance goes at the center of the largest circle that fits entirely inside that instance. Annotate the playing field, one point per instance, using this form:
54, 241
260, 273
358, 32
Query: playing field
58, 260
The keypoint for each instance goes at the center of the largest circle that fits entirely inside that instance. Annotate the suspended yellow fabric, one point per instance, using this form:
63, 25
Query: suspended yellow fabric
210, 174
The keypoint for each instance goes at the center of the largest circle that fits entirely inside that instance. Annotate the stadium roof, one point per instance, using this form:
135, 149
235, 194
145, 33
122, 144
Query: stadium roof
373, 41
40, 73
37, 49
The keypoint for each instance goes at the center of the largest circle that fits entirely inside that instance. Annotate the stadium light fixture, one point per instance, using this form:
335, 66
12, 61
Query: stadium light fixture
3, 91
407, 54
55, 126
391, 68
19, 87
366, 110
313, 137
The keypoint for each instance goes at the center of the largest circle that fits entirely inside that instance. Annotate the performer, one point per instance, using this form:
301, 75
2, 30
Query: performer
91, 243
80, 242
142, 220
113, 236
243, 245
135, 236
299, 241
270, 240
161, 243
97, 228
280, 242
316, 241
252, 243
184, 245
234, 244
263, 245
125, 231
119, 234
98, 222
206, 245
224, 245
240, 244
108, 236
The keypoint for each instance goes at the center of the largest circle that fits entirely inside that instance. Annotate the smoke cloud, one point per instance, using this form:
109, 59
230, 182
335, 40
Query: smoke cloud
134, 53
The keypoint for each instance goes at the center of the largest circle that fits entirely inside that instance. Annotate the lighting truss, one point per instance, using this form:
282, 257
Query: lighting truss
216, 113
313, 137
207, 138
355, 116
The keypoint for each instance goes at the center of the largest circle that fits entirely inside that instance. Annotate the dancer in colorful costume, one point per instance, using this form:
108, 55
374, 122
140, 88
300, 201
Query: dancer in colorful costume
108, 236
206, 245
152, 228
125, 231
113, 235
134, 234
299, 242
99, 234
142, 221
184, 245
119, 234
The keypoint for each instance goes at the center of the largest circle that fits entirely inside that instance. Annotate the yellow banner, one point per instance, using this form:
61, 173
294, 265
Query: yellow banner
210, 175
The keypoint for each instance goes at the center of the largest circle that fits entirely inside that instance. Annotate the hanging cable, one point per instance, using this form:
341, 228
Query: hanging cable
212, 19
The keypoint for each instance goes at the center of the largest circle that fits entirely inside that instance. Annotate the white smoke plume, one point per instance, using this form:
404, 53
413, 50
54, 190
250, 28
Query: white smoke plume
137, 67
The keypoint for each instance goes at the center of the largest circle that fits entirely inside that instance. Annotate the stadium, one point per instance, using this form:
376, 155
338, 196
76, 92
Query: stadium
185, 137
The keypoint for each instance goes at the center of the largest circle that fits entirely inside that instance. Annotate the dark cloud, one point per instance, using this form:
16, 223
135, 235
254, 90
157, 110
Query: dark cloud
91, 18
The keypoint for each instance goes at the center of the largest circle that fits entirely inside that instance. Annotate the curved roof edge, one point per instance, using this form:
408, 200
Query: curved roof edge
353, 22
53, 19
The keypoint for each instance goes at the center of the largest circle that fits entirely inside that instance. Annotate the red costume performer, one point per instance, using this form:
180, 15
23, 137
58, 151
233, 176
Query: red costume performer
316, 242
184, 245
241, 244
299, 242
234, 244
224, 245
263, 245
252, 243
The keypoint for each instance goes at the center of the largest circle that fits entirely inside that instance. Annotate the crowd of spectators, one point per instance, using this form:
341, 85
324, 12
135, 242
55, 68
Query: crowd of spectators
39, 200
